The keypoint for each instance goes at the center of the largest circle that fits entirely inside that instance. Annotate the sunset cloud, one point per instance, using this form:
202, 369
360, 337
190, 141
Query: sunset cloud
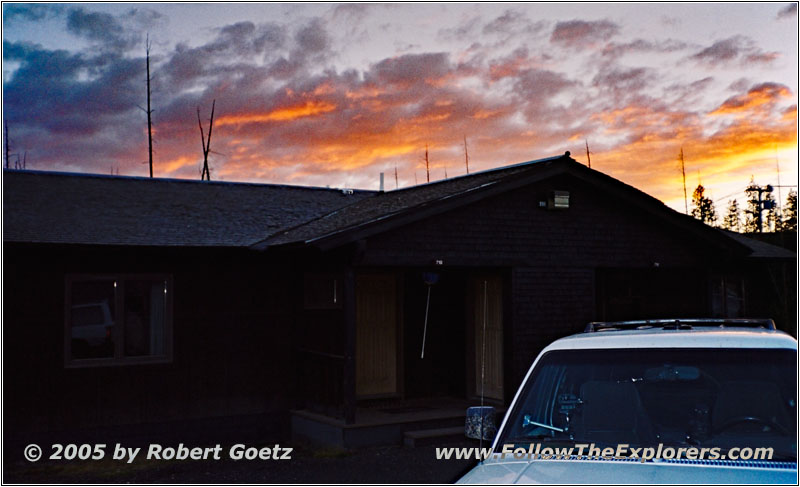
307, 109
788, 12
297, 100
580, 33
737, 48
764, 95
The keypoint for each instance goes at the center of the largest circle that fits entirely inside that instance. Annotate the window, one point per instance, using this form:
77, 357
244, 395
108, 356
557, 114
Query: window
117, 319
727, 297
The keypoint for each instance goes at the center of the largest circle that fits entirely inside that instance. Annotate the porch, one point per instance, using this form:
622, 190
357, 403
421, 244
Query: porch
412, 422
397, 355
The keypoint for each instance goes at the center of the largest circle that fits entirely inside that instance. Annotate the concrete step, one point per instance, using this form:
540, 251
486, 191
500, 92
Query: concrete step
433, 436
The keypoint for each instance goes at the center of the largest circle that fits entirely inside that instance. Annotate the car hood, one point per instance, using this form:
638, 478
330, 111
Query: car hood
631, 472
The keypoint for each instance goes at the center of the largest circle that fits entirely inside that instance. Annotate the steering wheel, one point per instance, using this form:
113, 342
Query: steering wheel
750, 419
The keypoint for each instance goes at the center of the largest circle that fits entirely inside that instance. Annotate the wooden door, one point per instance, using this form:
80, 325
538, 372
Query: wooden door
376, 335
487, 319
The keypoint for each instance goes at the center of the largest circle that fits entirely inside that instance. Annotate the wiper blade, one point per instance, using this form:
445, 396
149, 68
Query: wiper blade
526, 421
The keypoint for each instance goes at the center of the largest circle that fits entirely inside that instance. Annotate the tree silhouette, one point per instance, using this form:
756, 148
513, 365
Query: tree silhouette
759, 198
770, 205
206, 142
732, 221
703, 207
790, 213
149, 110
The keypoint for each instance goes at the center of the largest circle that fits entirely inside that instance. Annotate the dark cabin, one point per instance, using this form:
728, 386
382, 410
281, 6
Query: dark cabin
348, 317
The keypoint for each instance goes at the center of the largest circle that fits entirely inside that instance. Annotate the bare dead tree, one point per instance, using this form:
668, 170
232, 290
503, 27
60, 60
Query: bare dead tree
206, 142
588, 157
466, 154
683, 172
149, 110
20, 162
427, 164
395, 177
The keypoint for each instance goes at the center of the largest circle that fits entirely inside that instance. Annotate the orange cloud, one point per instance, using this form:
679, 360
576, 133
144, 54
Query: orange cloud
174, 165
723, 159
307, 109
763, 95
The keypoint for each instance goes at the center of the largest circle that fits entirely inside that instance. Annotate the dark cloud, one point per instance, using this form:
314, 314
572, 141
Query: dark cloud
739, 49
313, 38
615, 50
464, 30
270, 36
30, 11
238, 38
624, 80
580, 33
788, 12
284, 69
740, 84
534, 90
511, 23
410, 69
760, 57
352, 12
143, 18
720, 51
222, 56
541, 83
102, 28
74, 111
683, 93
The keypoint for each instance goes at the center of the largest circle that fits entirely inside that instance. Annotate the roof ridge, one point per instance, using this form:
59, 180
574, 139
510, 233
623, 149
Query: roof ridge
421, 188
38, 172
485, 171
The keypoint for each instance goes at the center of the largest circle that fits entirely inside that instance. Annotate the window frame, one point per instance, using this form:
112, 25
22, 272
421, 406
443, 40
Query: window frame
119, 358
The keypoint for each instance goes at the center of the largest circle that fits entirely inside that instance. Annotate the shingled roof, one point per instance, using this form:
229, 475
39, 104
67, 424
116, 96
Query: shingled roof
762, 250
48, 207
384, 211
385, 206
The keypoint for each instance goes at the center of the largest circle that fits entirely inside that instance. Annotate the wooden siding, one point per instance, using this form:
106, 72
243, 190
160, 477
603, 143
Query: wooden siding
232, 327
553, 255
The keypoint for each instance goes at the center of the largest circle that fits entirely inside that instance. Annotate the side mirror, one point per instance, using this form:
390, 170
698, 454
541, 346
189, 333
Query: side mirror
480, 423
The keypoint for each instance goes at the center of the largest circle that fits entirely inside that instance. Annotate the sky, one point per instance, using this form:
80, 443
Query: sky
334, 94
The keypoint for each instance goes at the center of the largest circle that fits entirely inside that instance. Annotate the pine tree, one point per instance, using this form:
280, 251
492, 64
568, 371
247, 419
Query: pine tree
703, 207
789, 222
751, 212
771, 220
732, 221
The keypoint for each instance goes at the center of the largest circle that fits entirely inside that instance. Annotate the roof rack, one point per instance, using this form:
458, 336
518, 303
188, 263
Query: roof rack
680, 324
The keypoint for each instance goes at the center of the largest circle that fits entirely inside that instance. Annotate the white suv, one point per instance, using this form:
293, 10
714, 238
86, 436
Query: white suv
660, 401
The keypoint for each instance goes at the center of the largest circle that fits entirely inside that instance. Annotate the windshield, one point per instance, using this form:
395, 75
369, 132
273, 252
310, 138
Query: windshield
697, 397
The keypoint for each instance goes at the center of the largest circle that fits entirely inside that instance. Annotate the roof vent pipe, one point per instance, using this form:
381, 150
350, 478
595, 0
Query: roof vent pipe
381, 190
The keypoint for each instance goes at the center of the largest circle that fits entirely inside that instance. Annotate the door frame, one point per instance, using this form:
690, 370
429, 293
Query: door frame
471, 358
399, 329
